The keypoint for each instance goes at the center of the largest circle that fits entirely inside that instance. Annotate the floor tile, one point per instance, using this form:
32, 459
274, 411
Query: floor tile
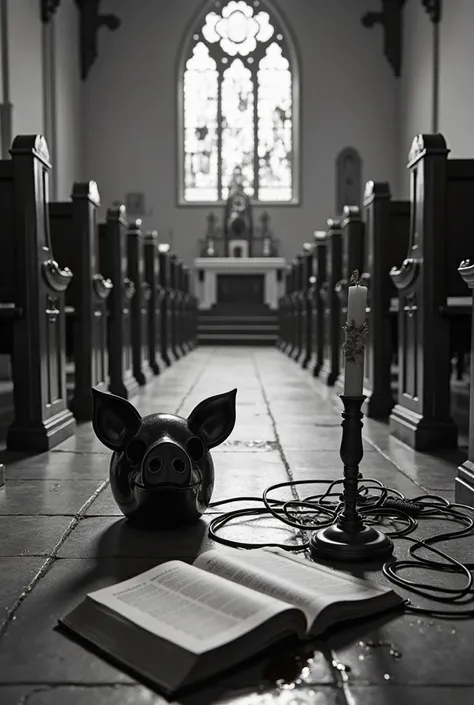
135, 695
17, 694
317, 465
396, 694
33, 651
82, 443
255, 445
30, 536
105, 695
313, 437
253, 432
104, 537
101, 537
428, 471
35, 497
428, 652
61, 466
16, 573
44, 490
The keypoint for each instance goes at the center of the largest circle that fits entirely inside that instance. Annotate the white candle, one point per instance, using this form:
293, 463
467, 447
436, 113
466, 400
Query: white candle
354, 368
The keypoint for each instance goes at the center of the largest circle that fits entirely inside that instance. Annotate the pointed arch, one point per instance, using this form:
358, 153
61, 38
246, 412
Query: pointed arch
238, 104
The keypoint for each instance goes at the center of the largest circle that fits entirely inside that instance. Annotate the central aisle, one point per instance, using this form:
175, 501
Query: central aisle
62, 536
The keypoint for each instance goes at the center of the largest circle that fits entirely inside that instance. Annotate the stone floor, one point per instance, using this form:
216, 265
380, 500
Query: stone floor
61, 536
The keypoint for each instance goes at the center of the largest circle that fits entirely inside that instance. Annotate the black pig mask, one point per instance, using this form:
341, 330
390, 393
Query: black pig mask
161, 471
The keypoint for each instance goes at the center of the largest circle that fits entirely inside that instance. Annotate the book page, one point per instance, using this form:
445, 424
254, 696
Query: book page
196, 610
296, 580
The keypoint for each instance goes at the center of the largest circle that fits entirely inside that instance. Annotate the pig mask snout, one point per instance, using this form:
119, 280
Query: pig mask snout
165, 463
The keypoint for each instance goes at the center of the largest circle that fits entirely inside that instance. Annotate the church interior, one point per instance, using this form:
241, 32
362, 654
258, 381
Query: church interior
235, 352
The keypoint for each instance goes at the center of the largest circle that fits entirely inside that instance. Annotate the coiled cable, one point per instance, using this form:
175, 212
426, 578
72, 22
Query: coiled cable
375, 502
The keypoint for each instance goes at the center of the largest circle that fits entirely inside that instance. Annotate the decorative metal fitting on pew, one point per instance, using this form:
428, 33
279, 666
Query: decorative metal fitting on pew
161, 470
349, 539
355, 278
354, 345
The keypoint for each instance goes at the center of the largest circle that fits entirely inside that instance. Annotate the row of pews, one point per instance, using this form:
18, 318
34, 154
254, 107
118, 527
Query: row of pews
111, 308
419, 309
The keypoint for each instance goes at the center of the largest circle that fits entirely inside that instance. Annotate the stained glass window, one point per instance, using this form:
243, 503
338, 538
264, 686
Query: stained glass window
238, 105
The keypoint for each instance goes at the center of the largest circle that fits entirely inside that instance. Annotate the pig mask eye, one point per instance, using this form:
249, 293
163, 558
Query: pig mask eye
196, 449
135, 451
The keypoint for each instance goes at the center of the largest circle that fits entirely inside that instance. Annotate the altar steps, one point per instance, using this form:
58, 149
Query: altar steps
252, 328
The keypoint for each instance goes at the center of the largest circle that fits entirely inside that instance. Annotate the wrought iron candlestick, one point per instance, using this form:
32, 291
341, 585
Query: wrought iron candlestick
349, 539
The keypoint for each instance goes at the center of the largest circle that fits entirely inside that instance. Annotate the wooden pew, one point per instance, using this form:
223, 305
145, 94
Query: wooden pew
32, 301
353, 234
290, 319
164, 273
306, 314
293, 323
114, 265
317, 299
431, 293
332, 306
464, 483
298, 303
153, 323
174, 306
75, 239
141, 363
282, 312
387, 233
187, 311
195, 318
191, 342
193, 315
180, 309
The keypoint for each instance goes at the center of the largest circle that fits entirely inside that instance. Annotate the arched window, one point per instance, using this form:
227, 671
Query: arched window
238, 105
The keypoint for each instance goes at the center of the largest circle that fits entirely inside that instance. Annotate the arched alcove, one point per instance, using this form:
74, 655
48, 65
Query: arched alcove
348, 179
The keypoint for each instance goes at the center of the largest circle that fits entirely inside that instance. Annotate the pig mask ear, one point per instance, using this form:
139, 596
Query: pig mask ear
214, 418
114, 420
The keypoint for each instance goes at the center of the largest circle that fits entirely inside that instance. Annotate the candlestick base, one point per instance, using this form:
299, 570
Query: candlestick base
334, 543
349, 539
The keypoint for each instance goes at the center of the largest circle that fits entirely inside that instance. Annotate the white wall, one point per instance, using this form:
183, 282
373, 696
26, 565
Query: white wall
348, 98
26, 66
455, 82
126, 136
28, 75
28, 71
69, 93
416, 86
456, 91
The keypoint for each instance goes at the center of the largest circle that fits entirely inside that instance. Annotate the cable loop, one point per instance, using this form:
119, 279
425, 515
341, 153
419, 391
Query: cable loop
376, 503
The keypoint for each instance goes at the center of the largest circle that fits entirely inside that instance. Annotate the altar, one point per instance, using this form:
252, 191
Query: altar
239, 266
239, 280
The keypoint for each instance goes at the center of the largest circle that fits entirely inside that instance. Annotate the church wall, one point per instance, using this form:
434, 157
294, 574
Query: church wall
348, 99
30, 78
70, 135
455, 104
26, 66
456, 88
415, 86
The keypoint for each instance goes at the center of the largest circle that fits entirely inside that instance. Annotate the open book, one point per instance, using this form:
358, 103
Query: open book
178, 624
